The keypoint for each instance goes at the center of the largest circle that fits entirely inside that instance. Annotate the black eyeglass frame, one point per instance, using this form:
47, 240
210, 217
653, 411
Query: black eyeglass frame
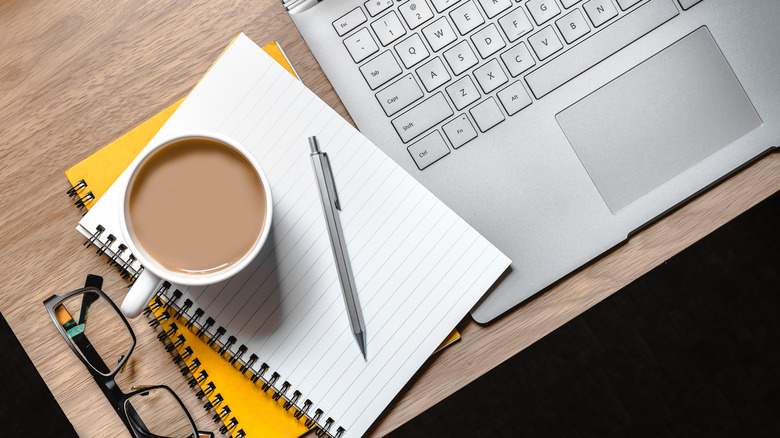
106, 382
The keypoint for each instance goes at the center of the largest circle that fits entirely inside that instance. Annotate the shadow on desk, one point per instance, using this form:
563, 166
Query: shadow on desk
689, 349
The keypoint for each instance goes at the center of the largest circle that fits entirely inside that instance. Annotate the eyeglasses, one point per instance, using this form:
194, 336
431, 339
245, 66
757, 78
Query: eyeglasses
101, 337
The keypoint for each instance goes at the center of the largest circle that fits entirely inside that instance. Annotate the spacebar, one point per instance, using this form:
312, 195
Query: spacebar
600, 46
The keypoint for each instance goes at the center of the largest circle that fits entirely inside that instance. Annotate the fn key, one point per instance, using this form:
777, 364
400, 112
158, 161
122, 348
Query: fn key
428, 150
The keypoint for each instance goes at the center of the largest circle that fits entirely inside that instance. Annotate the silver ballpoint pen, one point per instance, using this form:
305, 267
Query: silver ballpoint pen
330, 206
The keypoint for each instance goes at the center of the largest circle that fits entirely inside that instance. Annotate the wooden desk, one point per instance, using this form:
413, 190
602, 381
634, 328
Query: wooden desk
75, 75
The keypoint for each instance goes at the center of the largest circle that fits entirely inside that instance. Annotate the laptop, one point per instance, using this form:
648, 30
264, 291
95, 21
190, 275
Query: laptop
556, 128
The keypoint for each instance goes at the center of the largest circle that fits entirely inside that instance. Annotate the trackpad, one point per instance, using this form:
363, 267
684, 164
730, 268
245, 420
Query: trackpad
658, 119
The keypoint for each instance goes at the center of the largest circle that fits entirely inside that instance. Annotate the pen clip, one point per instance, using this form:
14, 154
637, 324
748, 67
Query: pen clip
331, 180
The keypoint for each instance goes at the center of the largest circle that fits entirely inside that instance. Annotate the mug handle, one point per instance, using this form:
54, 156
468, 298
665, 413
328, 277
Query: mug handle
140, 294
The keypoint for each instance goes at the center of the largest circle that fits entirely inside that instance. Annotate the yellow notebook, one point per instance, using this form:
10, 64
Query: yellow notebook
239, 403
229, 394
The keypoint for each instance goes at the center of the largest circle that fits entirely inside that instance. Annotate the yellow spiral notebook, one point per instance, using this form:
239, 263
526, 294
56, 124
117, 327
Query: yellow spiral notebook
232, 396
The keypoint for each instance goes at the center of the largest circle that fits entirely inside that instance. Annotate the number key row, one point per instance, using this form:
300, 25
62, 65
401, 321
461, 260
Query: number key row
415, 12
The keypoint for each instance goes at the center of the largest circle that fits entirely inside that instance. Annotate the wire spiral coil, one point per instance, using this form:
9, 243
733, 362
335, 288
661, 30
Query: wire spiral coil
167, 304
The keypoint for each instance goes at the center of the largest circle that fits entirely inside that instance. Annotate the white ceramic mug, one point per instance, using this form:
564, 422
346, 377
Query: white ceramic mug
144, 286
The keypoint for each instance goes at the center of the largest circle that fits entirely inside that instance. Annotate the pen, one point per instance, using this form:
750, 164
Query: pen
330, 204
298, 6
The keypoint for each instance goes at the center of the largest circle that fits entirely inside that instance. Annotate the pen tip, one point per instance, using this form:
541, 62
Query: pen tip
361, 340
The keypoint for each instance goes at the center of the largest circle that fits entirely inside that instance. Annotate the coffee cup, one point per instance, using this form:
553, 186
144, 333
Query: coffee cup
195, 211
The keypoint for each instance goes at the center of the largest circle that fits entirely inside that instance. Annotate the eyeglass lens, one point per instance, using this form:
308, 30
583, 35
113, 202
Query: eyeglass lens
96, 329
157, 413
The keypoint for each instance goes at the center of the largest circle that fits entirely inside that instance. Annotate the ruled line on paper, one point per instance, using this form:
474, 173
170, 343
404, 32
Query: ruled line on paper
376, 391
410, 253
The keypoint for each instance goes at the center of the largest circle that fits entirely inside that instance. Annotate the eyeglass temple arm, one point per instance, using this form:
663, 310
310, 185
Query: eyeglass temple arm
79, 339
95, 281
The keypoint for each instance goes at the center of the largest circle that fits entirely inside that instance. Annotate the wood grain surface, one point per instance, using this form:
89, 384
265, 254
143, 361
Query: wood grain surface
75, 75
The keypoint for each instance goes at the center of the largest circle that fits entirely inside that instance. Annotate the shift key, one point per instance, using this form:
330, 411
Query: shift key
422, 117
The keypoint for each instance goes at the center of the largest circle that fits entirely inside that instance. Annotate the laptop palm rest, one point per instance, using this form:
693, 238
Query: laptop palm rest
658, 119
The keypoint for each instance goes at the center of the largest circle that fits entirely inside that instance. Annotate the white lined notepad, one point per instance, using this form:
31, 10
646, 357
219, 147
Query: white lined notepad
418, 267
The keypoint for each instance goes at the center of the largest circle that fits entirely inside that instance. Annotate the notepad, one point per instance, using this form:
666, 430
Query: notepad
244, 407
419, 268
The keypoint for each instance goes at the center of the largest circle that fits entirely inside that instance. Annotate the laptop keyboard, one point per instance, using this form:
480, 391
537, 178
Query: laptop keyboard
452, 69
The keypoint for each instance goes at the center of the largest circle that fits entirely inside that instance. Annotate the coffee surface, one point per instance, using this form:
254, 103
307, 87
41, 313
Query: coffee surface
197, 206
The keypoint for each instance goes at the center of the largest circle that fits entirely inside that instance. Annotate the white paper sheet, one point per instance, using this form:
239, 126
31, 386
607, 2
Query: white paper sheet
419, 268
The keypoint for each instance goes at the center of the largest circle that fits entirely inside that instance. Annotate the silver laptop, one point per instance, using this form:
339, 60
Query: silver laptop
555, 127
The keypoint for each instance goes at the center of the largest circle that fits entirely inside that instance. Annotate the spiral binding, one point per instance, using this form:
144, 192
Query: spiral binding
116, 251
82, 200
73, 191
256, 374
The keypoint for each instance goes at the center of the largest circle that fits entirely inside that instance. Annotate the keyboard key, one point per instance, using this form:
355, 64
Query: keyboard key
442, 5
545, 43
466, 17
399, 95
569, 3
488, 41
460, 131
433, 74
463, 92
460, 57
686, 4
487, 114
439, 34
376, 6
428, 150
351, 20
601, 45
415, 12
515, 24
422, 117
380, 70
543, 10
600, 11
518, 59
514, 98
360, 45
388, 28
490, 76
412, 50
625, 4
495, 7
572, 26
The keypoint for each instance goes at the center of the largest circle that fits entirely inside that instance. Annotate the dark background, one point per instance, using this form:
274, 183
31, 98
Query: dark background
690, 349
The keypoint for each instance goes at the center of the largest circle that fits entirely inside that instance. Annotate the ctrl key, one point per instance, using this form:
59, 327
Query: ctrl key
428, 150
